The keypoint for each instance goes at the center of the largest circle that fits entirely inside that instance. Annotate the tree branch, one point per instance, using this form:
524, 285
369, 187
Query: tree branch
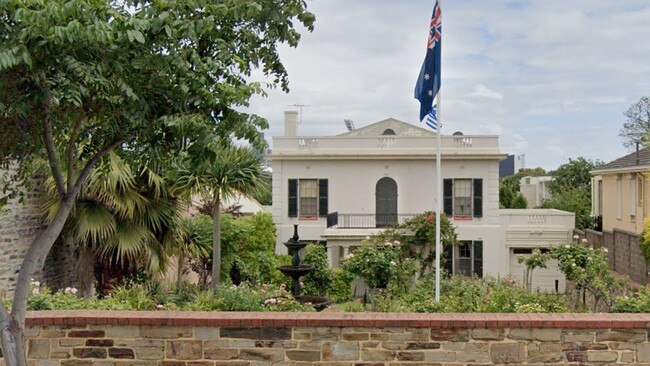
70, 151
91, 163
49, 146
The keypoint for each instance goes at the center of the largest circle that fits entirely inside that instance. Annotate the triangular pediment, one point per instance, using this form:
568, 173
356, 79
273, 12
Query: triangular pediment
384, 127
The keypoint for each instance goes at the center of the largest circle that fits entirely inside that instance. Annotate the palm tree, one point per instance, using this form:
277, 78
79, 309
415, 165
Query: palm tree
222, 172
119, 217
192, 238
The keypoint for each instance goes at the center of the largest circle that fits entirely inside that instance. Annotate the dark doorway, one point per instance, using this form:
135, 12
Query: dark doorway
386, 202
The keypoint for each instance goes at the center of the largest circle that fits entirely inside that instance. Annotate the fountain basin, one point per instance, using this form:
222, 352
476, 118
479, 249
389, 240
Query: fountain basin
296, 272
319, 303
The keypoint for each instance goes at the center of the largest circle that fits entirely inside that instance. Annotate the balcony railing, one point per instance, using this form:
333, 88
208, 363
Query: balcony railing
365, 221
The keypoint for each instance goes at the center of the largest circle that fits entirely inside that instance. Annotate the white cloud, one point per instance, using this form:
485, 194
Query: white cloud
551, 77
481, 90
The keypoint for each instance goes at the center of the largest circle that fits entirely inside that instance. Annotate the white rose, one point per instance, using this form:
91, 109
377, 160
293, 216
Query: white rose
567, 246
605, 250
584, 241
396, 242
160, 306
392, 263
576, 237
74, 290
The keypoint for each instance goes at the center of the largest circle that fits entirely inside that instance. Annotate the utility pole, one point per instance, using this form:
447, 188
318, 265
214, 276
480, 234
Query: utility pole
300, 107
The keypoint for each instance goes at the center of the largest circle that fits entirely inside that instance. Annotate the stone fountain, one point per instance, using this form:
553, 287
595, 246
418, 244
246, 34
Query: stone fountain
297, 270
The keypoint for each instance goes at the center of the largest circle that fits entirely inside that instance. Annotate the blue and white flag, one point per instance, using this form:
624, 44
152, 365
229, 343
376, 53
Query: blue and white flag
428, 83
431, 119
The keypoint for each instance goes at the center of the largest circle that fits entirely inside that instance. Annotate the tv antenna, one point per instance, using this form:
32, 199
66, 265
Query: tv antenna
349, 124
300, 107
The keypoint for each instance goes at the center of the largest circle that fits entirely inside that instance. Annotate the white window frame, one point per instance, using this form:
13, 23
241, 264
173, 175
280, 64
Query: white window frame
301, 215
470, 197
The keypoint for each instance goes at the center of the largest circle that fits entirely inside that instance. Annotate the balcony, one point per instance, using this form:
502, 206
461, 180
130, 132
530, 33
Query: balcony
365, 221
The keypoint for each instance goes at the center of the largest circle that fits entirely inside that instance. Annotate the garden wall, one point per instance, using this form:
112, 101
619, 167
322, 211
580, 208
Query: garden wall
623, 252
329, 338
20, 222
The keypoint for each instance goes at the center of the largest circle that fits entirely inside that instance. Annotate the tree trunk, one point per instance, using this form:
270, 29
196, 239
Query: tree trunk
216, 241
86, 272
13, 325
179, 270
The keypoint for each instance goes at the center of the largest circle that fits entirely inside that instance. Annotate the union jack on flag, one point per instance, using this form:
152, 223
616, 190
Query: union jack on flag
435, 32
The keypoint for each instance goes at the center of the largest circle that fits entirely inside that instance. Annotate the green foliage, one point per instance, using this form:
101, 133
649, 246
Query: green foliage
318, 282
419, 244
587, 268
250, 242
637, 127
354, 307
519, 201
576, 200
638, 302
464, 295
341, 290
536, 260
375, 264
644, 241
574, 175
145, 297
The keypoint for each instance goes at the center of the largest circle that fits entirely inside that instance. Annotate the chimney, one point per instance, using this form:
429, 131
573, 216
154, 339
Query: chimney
290, 123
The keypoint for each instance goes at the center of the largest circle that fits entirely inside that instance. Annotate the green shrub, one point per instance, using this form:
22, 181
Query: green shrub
639, 302
353, 307
587, 268
475, 295
341, 290
375, 264
318, 282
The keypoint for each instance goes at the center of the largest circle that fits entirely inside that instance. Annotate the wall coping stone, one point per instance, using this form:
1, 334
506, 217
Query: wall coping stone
334, 319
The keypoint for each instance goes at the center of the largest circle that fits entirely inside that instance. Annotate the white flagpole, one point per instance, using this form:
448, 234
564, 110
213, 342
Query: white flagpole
438, 196
438, 178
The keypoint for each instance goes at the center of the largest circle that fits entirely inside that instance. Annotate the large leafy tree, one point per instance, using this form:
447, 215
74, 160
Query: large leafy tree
95, 75
636, 128
221, 171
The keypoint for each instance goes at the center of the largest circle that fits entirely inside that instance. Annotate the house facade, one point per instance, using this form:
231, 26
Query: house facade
619, 191
535, 190
340, 189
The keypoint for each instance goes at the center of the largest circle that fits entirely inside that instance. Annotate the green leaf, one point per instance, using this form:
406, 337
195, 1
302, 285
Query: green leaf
138, 36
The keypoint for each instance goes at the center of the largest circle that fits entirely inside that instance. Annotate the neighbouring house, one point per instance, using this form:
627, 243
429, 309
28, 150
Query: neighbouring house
535, 190
619, 204
342, 188
618, 191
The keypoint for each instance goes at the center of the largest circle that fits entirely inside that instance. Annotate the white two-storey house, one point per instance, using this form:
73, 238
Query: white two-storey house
340, 189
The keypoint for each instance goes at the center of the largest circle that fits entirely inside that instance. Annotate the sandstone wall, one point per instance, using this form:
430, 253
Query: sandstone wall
20, 223
362, 339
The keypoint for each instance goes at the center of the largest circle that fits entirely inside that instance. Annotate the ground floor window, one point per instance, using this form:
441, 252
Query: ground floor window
464, 259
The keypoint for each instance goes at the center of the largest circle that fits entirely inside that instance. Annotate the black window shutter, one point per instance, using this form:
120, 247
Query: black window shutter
448, 259
322, 197
448, 194
478, 258
293, 197
478, 197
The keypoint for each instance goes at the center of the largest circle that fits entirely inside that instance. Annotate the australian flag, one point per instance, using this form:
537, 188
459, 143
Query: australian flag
428, 83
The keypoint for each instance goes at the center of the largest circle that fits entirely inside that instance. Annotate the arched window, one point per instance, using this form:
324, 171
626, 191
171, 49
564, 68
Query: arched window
386, 202
388, 131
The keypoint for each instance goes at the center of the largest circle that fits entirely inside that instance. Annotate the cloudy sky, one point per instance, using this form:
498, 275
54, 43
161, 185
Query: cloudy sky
552, 78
